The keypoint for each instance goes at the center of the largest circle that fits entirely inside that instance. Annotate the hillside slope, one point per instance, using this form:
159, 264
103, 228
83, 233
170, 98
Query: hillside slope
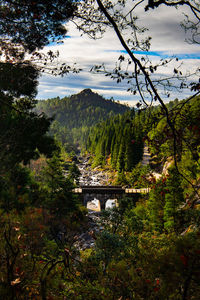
84, 109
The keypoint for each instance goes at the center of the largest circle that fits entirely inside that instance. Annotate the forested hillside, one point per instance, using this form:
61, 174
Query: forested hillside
74, 115
83, 109
118, 141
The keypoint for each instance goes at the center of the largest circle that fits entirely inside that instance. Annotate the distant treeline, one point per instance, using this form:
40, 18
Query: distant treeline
83, 109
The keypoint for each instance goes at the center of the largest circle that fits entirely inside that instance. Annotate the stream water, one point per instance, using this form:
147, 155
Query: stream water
90, 176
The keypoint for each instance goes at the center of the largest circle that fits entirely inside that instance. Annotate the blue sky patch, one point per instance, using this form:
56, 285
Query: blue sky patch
162, 54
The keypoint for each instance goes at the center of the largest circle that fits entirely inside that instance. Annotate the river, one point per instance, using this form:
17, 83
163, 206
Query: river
90, 176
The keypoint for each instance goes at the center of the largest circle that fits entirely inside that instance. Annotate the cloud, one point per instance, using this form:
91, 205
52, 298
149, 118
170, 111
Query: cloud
168, 38
50, 86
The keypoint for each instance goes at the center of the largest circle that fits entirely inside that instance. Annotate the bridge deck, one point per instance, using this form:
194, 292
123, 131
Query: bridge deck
110, 189
101, 187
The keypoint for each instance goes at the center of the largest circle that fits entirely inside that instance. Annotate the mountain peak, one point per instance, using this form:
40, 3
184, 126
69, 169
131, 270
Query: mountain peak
87, 91
83, 109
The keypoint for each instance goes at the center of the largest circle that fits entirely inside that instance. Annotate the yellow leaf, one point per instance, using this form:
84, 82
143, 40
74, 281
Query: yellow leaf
16, 228
16, 281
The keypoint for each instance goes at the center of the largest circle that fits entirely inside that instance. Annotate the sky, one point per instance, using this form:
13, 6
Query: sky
168, 39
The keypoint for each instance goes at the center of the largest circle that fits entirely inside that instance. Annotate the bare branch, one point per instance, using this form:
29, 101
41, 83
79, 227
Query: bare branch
154, 4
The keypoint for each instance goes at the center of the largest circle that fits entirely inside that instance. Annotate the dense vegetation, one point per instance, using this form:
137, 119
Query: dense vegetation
146, 250
150, 250
118, 142
119, 139
83, 109
74, 115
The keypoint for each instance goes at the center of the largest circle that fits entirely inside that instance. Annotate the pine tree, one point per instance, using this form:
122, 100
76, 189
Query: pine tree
74, 173
114, 155
173, 199
58, 188
120, 161
156, 204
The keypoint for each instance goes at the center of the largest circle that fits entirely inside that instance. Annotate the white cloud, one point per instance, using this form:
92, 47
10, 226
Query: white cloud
167, 36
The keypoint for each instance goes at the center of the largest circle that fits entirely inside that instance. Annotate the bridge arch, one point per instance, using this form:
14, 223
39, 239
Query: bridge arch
94, 204
104, 193
111, 203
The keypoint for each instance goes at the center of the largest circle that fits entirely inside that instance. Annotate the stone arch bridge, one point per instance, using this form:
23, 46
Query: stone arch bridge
103, 193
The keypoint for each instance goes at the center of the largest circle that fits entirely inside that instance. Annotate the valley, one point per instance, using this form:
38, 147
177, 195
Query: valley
99, 200
156, 220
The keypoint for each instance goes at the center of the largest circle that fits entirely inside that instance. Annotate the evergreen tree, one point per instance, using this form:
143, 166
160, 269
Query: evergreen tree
58, 189
74, 173
173, 199
156, 203
129, 153
121, 156
114, 154
120, 139
17, 190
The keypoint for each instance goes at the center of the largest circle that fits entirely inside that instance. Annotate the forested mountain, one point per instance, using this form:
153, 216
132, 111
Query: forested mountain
74, 115
84, 109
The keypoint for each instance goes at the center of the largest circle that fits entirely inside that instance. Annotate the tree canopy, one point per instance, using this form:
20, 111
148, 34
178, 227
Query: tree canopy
34, 24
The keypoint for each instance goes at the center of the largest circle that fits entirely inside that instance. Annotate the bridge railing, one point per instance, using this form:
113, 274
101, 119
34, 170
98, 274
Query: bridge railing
138, 191
77, 190
80, 190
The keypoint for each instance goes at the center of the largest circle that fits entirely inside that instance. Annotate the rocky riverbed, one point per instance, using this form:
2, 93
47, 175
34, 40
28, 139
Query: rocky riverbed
95, 176
87, 239
90, 176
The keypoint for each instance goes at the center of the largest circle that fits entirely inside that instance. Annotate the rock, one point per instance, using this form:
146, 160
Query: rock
86, 240
167, 165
